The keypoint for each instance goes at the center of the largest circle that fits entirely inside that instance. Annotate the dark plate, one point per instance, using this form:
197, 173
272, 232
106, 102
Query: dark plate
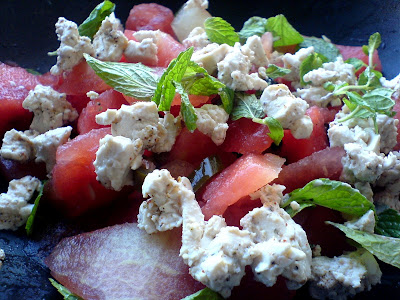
27, 34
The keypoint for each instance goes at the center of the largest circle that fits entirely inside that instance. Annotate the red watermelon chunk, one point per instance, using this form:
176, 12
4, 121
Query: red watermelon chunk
245, 176
123, 262
396, 108
322, 164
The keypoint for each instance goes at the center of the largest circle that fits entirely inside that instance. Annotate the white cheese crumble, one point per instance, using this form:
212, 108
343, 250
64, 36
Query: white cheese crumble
17, 145
343, 276
364, 223
278, 102
197, 39
211, 120
72, 46
393, 84
209, 56
14, 206
50, 108
2, 257
293, 62
144, 51
92, 95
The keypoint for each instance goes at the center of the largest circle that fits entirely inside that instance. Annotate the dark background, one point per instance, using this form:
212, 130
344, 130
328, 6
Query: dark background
27, 33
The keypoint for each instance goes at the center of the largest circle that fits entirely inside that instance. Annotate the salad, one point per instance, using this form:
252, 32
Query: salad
247, 156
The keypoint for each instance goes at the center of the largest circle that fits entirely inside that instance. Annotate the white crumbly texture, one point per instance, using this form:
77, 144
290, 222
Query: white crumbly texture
259, 57
27, 145
50, 108
109, 42
337, 72
14, 206
209, 56
197, 39
340, 277
393, 84
154, 35
365, 189
234, 69
278, 102
196, 3
2, 257
364, 223
217, 254
144, 51
92, 95
141, 121
115, 158
163, 211
293, 62
270, 195
72, 46
211, 120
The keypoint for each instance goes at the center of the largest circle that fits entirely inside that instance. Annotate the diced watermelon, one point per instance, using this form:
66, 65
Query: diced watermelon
123, 262
150, 16
78, 102
196, 100
322, 164
246, 175
396, 108
293, 149
74, 187
357, 52
329, 113
80, 80
244, 136
179, 168
12, 169
107, 99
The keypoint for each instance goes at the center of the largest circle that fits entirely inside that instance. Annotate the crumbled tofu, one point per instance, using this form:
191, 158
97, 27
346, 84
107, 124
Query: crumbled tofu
154, 35
144, 51
211, 120
141, 121
255, 45
269, 194
163, 211
92, 95
364, 223
17, 145
387, 128
51, 109
115, 158
45, 145
72, 46
234, 70
2, 257
278, 102
14, 206
109, 42
293, 62
197, 39
209, 56
343, 276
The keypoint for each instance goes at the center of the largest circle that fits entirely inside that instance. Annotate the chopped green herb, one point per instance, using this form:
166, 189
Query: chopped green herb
273, 71
66, 293
204, 294
31, 218
388, 223
275, 128
253, 26
322, 46
220, 31
311, 62
187, 110
90, 26
357, 63
280, 27
208, 168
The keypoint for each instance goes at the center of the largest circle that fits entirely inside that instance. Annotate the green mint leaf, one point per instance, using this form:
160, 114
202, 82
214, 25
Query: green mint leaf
253, 26
311, 62
293, 212
275, 128
357, 63
379, 100
387, 249
370, 77
187, 110
374, 42
247, 106
135, 80
197, 81
66, 293
332, 194
204, 294
165, 91
280, 27
388, 223
208, 168
327, 49
273, 71
32, 71
90, 26
220, 31
227, 98
32, 215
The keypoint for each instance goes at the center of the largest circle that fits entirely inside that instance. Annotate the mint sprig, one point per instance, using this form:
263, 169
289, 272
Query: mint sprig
187, 110
311, 62
332, 194
220, 31
388, 223
322, 46
374, 42
90, 26
357, 63
281, 28
274, 71
253, 26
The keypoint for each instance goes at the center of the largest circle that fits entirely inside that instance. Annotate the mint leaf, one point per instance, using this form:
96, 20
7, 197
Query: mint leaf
227, 97
220, 31
280, 27
273, 71
32, 215
293, 212
247, 106
204, 294
311, 62
374, 42
32, 71
90, 26
387, 249
370, 77
165, 91
197, 81
66, 293
253, 26
357, 63
327, 49
275, 128
187, 110
379, 100
208, 168
388, 223
332, 194
135, 80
